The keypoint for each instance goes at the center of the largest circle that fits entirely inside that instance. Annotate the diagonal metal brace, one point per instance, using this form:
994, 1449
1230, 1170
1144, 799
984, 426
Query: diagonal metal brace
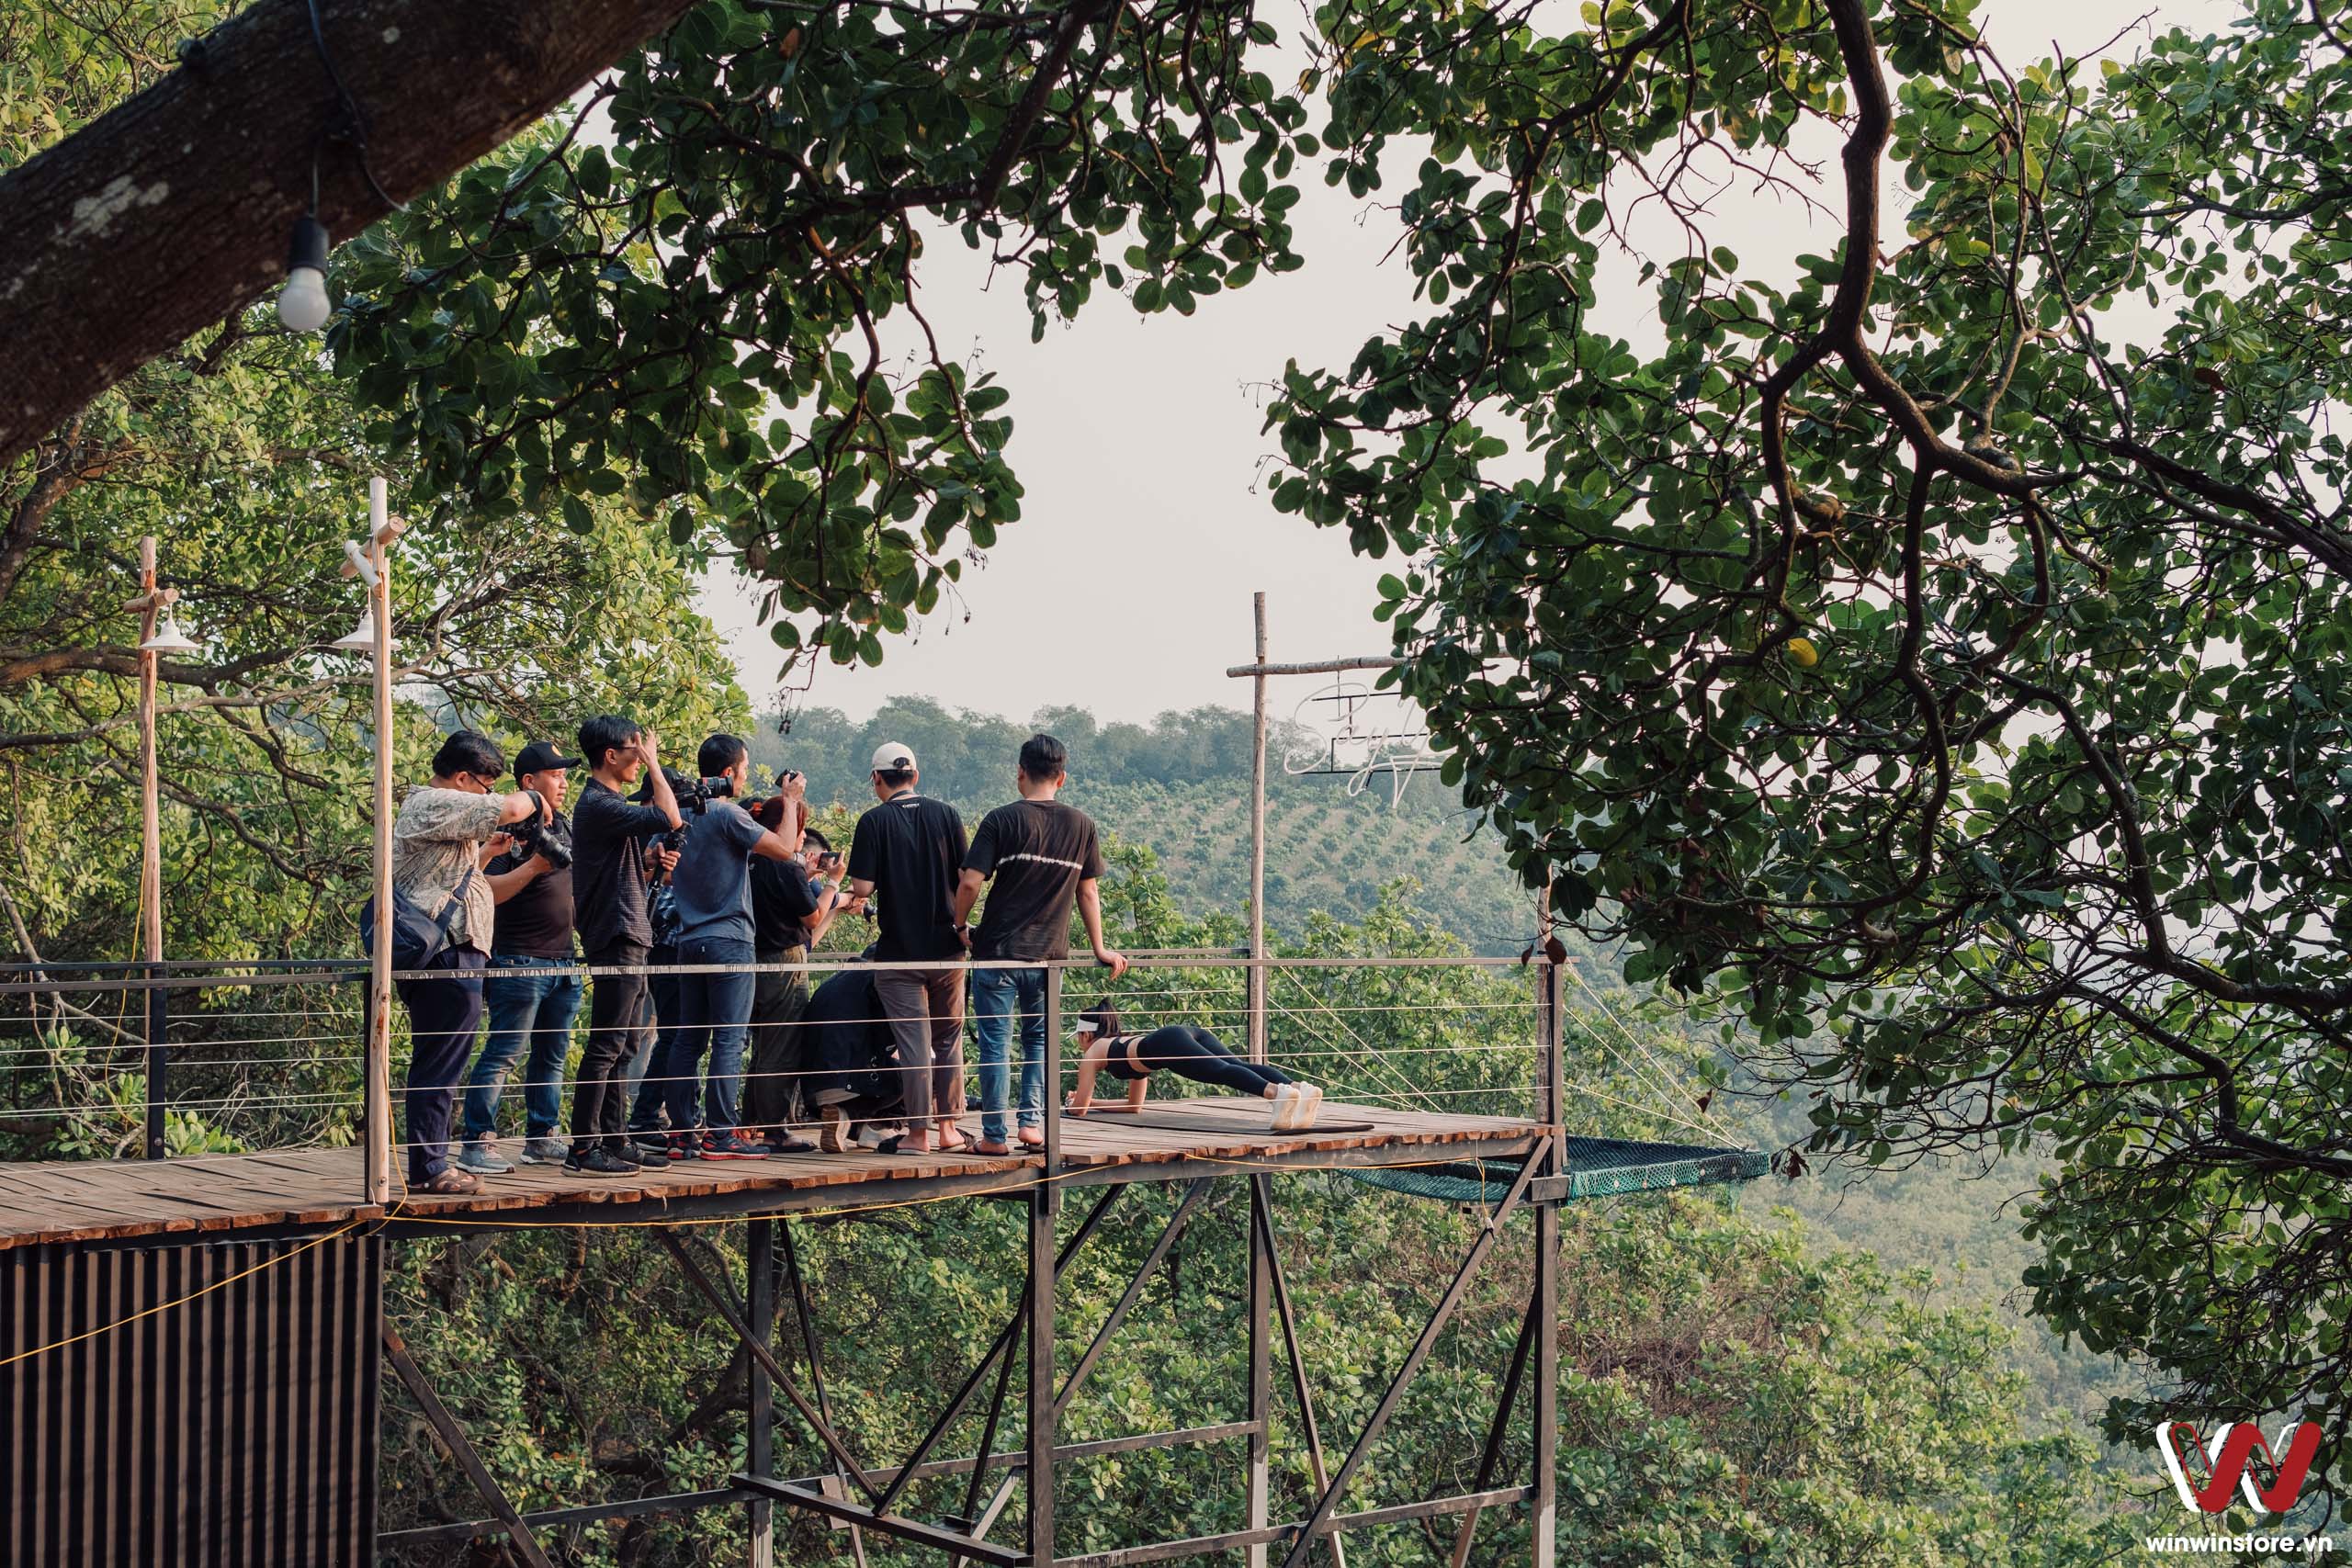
767, 1358
1495, 1433
437, 1416
1125, 1304
1003, 1345
1444, 1314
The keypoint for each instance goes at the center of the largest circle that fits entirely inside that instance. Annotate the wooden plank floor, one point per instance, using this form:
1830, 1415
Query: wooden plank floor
113, 1199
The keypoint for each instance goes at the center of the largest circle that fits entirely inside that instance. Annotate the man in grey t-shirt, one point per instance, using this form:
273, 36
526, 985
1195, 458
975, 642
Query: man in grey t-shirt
712, 887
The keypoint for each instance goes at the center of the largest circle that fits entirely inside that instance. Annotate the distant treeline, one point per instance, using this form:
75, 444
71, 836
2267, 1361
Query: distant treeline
967, 757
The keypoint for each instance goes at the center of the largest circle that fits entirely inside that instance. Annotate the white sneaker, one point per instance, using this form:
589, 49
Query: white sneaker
1311, 1106
1287, 1101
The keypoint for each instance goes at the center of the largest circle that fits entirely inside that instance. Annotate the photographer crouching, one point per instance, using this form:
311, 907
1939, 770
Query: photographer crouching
531, 990
437, 840
793, 902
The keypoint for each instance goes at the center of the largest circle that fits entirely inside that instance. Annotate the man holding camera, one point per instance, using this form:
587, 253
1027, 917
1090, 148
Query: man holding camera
911, 848
1044, 856
436, 846
531, 990
712, 886
608, 886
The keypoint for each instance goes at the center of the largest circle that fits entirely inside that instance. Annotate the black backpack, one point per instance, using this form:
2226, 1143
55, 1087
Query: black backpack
417, 938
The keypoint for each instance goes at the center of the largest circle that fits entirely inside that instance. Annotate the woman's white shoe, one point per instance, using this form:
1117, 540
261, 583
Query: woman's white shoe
1311, 1106
1287, 1102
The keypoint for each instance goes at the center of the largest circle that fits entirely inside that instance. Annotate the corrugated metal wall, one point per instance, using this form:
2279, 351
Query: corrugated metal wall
235, 1428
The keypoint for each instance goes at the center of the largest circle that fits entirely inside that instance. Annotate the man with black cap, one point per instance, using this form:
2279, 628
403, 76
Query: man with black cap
911, 849
531, 992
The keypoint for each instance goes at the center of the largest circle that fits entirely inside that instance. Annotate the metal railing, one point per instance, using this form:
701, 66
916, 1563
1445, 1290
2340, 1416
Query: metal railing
213, 1059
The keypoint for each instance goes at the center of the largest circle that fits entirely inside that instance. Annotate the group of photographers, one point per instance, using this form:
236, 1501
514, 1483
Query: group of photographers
654, 871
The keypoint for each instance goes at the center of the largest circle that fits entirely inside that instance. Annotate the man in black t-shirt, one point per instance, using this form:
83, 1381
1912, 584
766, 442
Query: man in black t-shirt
1045, 857
608, 883
911, 848
531, 990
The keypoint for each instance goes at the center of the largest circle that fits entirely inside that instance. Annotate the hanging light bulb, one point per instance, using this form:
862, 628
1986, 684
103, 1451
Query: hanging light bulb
303, 303
168, 638
361, 639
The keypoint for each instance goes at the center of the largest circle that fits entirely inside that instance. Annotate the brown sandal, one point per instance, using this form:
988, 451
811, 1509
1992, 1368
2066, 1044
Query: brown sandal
454, 1183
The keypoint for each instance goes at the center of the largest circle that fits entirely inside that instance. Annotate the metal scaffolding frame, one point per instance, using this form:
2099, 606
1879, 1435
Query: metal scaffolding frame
865, 1494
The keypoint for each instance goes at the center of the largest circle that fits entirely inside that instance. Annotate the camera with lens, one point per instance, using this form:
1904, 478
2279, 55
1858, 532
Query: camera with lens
550, 840
694, 795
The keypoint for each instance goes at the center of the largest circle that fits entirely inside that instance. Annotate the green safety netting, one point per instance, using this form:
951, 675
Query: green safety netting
1595, 1167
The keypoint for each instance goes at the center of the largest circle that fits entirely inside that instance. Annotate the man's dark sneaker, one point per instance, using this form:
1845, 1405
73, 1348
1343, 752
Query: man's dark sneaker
598, 1162
653, 1159
726, 1146
787, 1143
684, 1146
652, 1139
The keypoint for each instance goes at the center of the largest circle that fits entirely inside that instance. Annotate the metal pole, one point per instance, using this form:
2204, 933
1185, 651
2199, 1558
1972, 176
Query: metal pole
151, 858
759, 1444
379, 1049
1255, 982
1044, 1207
1258, 1469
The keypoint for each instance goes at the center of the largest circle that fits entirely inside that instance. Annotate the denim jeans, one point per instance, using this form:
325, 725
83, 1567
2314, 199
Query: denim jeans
649, 1067
1000, 998
713, 1010
532, 1002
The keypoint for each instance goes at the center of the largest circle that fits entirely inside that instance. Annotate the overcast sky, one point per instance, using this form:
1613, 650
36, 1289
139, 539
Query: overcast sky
1125, 587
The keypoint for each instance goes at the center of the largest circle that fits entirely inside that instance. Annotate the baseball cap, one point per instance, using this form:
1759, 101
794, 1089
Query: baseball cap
539, 756
893, 758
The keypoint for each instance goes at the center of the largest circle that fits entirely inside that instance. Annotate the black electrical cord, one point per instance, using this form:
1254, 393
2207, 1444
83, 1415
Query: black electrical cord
354, 126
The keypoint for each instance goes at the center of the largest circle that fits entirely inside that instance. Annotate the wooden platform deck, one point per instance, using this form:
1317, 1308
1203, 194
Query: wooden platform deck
109, 1201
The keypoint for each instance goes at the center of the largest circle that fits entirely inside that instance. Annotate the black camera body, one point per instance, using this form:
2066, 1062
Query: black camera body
549, 840
694, 795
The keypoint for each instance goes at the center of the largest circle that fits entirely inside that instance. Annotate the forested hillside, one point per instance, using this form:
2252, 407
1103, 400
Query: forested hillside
1181, 785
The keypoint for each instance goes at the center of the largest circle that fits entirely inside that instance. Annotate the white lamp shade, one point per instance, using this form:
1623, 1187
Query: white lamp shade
361, 639
168, 638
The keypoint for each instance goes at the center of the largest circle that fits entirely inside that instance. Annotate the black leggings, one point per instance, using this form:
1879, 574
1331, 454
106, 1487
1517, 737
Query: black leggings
1192, 1052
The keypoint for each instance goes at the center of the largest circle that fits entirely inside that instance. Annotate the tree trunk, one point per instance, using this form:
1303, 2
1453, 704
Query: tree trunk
174, 210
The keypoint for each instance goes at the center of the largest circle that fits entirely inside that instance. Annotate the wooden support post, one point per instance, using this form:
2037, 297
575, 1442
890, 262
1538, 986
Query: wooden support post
1543, 1517
376, 1120
1044, 1207
1256, 979
1258, 1474
150, 859
759, 1455
453, 1438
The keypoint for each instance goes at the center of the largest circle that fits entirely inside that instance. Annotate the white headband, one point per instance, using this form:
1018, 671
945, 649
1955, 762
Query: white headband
1088, 1026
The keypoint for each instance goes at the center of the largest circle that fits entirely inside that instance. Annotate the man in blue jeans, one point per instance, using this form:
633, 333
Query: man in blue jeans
712, 886
530, 989
1044, 856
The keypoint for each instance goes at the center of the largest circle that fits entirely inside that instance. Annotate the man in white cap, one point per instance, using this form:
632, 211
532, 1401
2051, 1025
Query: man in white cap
908, 853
